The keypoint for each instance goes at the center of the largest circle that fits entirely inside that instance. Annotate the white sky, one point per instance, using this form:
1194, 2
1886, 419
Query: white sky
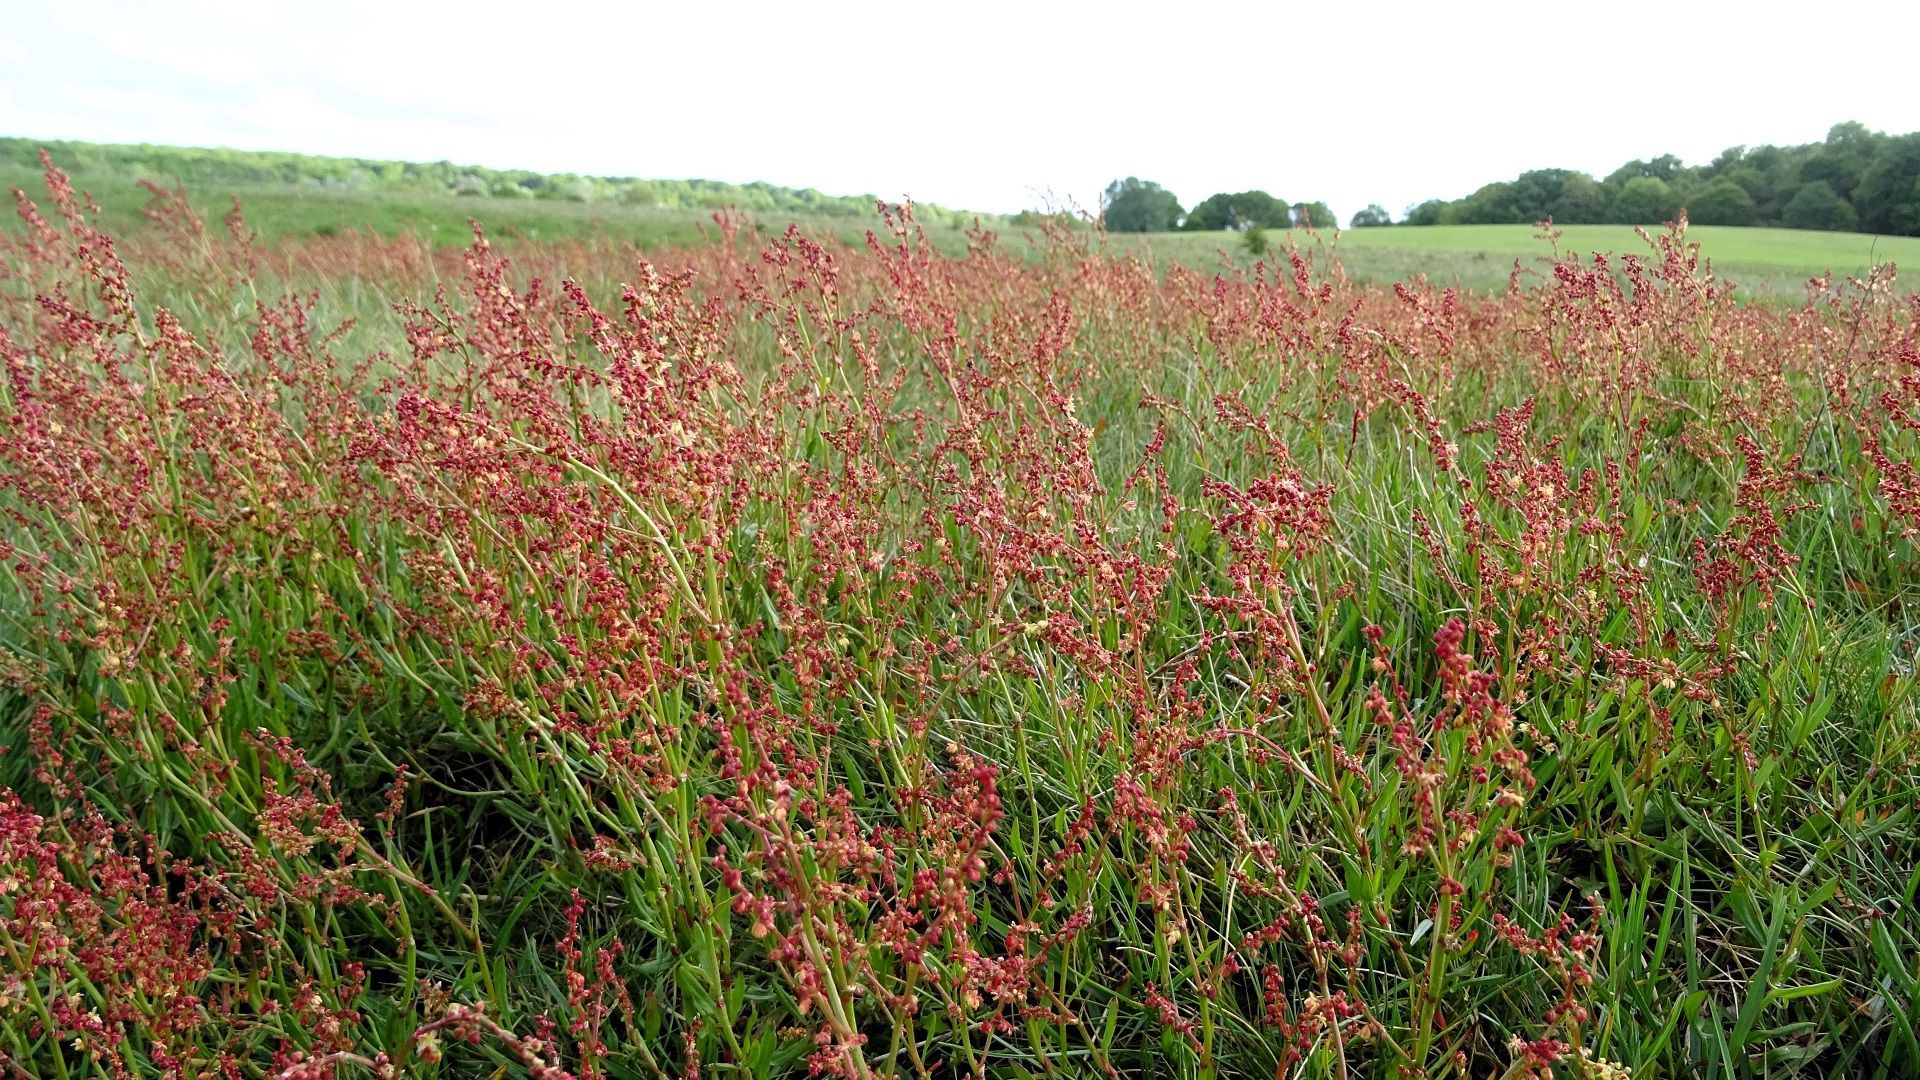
983, 105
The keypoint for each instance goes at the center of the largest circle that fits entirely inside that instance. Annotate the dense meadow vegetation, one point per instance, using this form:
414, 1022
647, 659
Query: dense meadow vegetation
781, 657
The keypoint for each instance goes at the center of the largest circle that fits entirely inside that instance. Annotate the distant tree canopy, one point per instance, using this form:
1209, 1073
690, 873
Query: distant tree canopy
1888, 197
1431, 212
1238, 210
1373, 216
1533, 196
1721, 201
1314, 215
1818, 206
1644, 200
1856, 178
1134, 205
1039, 219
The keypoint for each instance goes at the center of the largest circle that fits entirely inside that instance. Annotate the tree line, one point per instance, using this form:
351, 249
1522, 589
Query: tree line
1856, 179
1136, 205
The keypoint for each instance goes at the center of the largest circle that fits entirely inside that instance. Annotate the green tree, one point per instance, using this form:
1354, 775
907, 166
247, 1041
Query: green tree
1843, 159
1256, 241
1372, 217
1767, 172
1720, 201
1664, 168
1561, 194
1315, 215
1818, 206
1134, 205
1237, 210
1644, 200
1581, 201
1888, 197
1431, 212
1493, 204
1211, 214
1751, 180
1728, 160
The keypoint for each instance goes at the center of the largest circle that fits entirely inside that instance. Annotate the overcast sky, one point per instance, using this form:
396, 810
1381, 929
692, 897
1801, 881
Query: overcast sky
984, 105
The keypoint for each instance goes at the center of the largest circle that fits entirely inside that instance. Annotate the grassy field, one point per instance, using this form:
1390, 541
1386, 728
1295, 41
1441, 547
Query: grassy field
288, 214
1766, 262
1771, 263
782, 658
280, 214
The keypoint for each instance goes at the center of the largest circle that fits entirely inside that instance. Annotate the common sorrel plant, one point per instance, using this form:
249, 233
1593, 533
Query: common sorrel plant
778, 658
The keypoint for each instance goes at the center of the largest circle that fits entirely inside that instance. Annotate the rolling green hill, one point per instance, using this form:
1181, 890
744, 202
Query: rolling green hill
313, 175
291, 195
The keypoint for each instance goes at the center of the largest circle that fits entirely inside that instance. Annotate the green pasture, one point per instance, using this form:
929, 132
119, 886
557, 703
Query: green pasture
1766, 262
1773, 263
